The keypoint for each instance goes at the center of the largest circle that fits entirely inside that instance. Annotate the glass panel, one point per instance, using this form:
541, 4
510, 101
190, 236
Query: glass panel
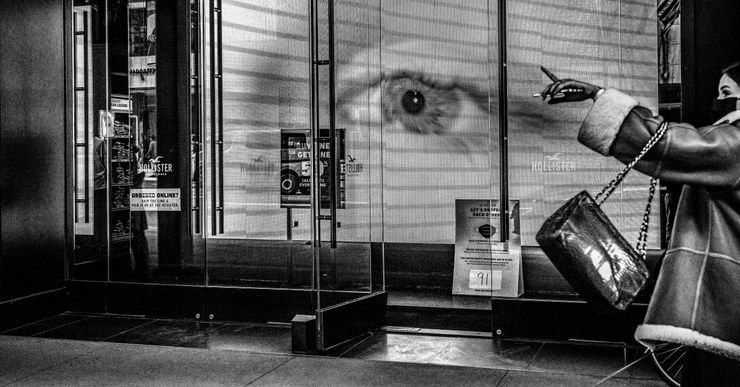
443, 152
81, 116
91, 96
132, 207
151, 167
345, 256
257, 217
80, 21
81, 64
435, 107
118, 145
163, 247
547, 164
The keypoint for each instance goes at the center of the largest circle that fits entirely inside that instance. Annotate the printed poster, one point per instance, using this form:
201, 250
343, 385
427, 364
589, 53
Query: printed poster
120, 104
485, 266
295, 169
155, 199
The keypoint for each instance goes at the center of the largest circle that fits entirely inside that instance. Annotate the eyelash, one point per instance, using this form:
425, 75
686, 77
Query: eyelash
442, 104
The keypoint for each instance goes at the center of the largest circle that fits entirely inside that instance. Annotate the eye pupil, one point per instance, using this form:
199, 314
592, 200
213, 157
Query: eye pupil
413, 101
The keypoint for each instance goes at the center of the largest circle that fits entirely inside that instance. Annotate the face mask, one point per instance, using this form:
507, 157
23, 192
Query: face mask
722, 107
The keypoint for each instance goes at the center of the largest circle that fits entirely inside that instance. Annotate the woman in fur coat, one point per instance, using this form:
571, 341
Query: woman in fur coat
696, 301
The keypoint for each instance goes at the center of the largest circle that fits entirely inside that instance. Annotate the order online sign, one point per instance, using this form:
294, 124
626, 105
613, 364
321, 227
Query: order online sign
155, 199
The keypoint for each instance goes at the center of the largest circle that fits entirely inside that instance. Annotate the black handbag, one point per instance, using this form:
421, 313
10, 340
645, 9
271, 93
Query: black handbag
590, 253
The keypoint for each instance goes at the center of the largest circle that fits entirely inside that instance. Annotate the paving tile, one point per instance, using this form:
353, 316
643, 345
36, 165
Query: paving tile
175, 333
24, 356
252, 337
644, 369
350, 348
633, 383
400, 347
578, 359
487, 353
45, 325
318, 371
95, 328
118, 364
534, 379
238, 354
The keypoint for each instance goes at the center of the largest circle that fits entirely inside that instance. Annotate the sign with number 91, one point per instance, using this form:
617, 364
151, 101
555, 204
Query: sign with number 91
484, 279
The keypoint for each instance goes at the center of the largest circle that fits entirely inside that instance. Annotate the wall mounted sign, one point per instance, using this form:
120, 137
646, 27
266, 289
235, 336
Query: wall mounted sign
485, 266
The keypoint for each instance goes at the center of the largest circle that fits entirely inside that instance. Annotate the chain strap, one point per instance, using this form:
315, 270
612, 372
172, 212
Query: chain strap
641, 245
609, 189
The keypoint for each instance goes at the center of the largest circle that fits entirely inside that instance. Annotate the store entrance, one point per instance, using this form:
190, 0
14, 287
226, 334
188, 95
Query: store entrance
207, 188
282, 209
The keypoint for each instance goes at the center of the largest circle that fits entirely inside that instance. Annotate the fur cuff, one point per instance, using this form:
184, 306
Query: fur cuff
651, 335
600, 128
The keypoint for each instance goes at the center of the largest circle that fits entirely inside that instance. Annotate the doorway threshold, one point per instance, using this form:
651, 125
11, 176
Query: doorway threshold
435, 332
436, 298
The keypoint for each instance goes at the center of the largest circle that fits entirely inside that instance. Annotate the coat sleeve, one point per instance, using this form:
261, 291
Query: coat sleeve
709, 156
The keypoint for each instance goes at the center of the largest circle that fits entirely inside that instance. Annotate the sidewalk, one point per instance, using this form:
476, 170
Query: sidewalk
33, 361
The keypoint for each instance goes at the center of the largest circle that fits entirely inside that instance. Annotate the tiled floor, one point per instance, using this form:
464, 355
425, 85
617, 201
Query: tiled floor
117, 350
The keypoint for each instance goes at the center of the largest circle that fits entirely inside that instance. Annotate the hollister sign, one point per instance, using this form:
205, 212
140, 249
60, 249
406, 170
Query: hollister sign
156, 167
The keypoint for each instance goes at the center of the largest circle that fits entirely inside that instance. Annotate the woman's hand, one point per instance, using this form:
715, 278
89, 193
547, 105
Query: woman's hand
567, 90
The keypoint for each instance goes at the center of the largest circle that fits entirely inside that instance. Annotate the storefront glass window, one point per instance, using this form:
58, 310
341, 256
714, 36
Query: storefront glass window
417, 109
607, 43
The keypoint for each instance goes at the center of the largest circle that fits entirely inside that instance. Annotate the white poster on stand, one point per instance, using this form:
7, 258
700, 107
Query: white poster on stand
485, 266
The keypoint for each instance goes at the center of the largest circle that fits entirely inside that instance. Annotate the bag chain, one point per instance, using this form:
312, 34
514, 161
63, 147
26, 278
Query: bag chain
641, 245
609, 189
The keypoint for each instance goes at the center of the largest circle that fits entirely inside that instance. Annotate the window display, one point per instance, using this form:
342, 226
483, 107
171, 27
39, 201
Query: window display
422, 83
417, 101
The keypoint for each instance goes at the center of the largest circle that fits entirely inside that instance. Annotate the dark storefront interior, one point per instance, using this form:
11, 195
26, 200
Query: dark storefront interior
107, 101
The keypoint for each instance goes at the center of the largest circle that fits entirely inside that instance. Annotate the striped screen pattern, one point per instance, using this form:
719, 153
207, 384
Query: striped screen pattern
407, 169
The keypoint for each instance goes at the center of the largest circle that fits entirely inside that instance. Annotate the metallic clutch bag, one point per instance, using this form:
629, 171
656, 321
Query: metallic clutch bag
590, 253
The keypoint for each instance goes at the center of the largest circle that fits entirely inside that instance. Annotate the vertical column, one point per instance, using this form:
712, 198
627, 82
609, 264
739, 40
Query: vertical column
173, 131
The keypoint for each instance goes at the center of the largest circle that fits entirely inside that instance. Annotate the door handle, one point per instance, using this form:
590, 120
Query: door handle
217, 121
334, 169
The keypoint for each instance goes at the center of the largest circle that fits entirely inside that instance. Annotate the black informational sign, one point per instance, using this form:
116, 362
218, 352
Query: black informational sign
295, 168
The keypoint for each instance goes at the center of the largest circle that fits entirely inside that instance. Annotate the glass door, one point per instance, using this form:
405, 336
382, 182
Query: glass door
287, 185
347, 207
215, 156
115, 129
132, 160
255, 153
